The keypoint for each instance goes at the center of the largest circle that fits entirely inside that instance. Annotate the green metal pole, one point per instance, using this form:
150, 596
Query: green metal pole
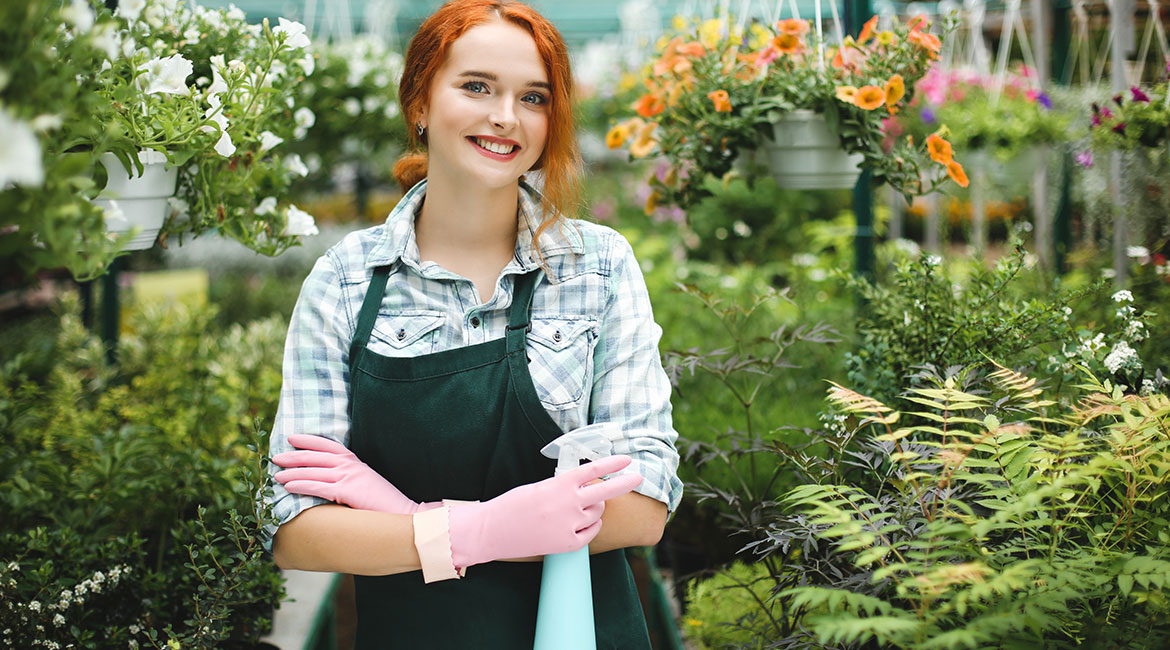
855, 14
111, 310
1062, 223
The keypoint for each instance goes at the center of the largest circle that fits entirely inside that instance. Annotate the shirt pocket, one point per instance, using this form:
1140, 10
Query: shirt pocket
560, 359
406, 333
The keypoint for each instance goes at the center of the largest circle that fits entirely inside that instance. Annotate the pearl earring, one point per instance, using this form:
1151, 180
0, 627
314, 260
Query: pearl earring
420, 129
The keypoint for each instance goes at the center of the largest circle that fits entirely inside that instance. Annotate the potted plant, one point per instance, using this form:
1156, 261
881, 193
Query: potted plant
1135, 120
215, 96
198, 90
715, 92
1007, 121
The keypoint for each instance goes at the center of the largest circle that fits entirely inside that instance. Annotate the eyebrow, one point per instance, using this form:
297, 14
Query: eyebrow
491, 77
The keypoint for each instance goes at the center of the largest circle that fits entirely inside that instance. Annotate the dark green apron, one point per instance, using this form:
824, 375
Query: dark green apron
465, 424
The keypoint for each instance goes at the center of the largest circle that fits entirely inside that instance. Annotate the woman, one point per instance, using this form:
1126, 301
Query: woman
430, 359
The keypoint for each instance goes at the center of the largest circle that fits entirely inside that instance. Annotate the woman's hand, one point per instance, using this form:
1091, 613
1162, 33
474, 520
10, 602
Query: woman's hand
323, 468
555, 515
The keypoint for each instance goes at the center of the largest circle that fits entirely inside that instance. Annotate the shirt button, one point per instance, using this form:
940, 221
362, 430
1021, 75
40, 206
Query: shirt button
401, 334
475, 321
557, 336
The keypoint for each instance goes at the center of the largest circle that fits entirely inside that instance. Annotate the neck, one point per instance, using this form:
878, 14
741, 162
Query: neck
459, 218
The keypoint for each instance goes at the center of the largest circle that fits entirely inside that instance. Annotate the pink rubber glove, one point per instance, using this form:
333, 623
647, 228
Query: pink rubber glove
556, 515
328, 469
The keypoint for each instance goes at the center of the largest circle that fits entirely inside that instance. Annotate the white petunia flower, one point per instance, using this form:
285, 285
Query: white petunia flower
106, 39
130, 9
1137, 251
46, 122
79, 14
266, 207
218, 84
296, 166
167, 76
299, 223
1123, 296
192, 34
294, 33
305, 119
235, 13
224, 145
275, 71
268, 140
20, 157
308, 63
155, 16
933, 260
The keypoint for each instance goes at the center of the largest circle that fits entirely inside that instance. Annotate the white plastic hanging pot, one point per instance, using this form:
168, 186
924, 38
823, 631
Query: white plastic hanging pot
805, 155
141, 200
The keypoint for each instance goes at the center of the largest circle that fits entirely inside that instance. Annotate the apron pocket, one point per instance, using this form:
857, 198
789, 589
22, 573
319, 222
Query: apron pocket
406, 333
560, 359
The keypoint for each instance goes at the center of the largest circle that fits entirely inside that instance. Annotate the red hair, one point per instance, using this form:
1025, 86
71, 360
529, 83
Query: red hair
560, 161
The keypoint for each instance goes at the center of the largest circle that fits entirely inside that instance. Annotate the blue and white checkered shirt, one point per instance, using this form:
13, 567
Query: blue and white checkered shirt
593, 346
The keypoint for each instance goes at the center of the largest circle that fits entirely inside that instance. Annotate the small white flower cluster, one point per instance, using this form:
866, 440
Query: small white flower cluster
1122, 357
834, 423
1133, 329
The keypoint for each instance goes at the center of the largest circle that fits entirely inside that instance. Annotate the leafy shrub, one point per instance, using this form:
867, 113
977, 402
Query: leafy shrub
129, 493
1007, 522
732, 608
922, 316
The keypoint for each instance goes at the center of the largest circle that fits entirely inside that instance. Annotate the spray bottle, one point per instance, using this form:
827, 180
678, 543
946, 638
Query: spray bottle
564, 617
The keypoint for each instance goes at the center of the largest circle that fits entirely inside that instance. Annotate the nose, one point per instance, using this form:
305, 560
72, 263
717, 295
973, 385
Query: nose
503, 115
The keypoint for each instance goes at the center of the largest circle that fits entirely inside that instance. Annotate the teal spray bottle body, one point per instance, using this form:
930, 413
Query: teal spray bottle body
564, 617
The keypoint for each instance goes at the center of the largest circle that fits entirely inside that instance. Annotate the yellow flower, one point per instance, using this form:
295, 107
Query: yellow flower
645, 141
694, 622
869, 97
679, 23
711, 32
758, 36
887, 38
895, 90
617, 136
721, 100
652, 202
846, 93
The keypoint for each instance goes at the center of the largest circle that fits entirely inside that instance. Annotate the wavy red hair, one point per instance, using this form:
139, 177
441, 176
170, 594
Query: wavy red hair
560, 162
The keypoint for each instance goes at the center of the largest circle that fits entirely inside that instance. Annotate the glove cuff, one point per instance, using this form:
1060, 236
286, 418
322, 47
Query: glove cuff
432, 539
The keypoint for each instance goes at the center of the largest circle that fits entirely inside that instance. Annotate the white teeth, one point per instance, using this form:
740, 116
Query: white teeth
495, 148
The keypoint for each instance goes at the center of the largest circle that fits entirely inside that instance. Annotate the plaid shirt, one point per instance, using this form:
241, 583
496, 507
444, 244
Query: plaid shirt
593, 346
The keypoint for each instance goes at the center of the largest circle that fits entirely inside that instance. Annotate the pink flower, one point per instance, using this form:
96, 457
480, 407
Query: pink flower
1138, 95
1085, 158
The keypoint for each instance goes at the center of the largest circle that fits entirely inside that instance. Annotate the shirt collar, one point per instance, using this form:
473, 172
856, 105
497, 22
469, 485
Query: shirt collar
398, 239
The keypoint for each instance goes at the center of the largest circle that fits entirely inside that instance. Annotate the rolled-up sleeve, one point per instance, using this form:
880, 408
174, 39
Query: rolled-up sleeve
630, 387
314, 394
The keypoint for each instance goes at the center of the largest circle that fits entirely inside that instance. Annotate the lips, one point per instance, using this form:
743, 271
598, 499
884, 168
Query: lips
495, 148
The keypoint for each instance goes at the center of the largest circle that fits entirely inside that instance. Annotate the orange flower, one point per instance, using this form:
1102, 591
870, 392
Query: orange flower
721, 99
867, 30
895, 90
869, 97
793, 26
940, 150
955, 171
644, 144
846, 93
926, 41
849, 56
693, 49
788, 43
917, 23
652, 202
649, 105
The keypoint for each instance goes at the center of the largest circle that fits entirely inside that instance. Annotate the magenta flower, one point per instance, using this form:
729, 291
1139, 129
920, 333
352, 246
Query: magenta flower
1085, 159
1119, 128
1138, 95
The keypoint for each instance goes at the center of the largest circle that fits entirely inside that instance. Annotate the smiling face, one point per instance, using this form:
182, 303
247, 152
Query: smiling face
487, 111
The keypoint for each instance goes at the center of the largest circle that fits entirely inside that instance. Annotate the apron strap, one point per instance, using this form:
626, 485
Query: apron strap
369, 311
519, 312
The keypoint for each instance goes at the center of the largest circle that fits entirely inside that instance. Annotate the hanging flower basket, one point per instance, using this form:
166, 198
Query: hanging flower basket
804, 154
136, 201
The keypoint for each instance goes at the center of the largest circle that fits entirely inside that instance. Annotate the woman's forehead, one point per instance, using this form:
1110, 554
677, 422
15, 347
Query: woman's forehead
500, 48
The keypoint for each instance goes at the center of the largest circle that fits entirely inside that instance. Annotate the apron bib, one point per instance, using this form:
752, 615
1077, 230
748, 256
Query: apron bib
465, 424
